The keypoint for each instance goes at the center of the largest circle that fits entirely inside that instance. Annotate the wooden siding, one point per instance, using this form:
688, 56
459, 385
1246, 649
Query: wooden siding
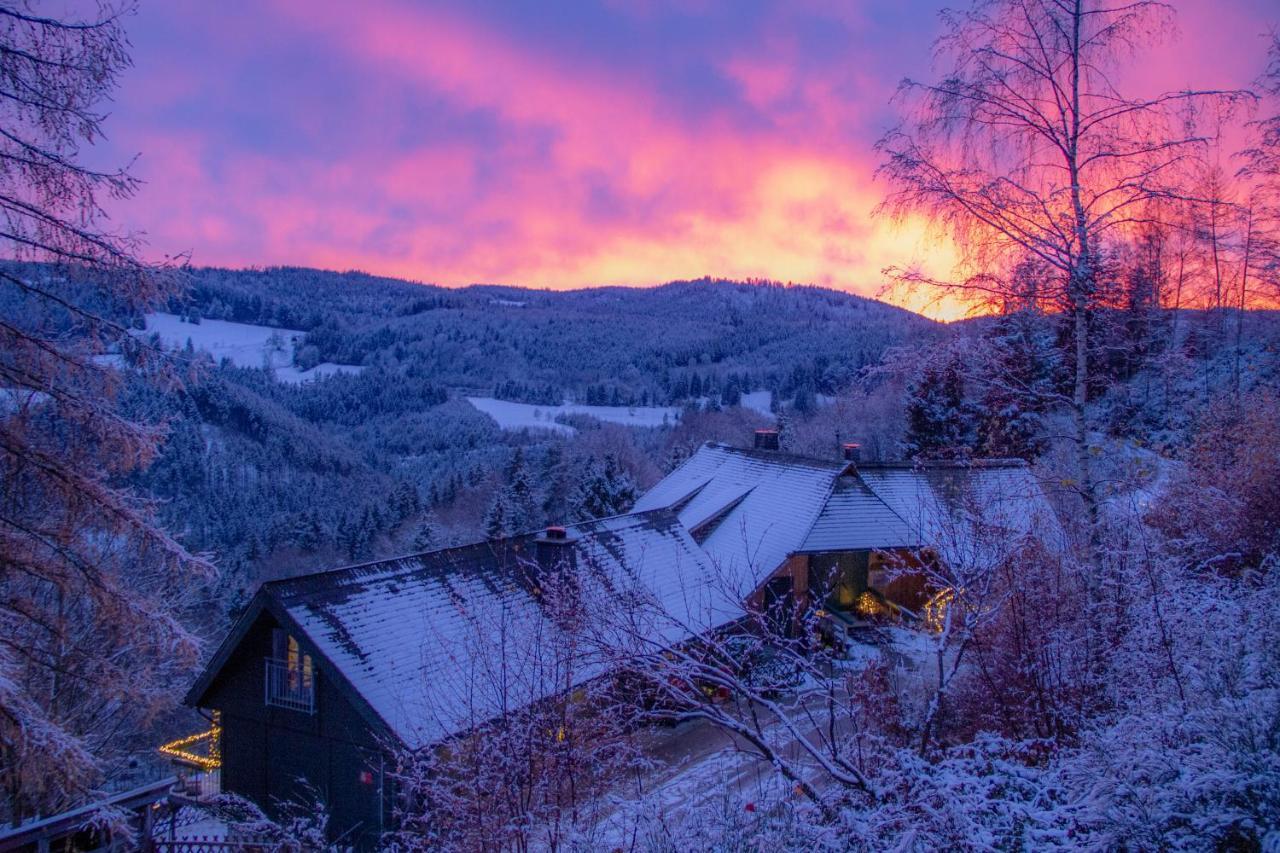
272, 754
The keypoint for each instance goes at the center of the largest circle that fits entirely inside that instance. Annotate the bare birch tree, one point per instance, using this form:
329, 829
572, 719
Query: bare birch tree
1027, 147
90, 648
1262, 169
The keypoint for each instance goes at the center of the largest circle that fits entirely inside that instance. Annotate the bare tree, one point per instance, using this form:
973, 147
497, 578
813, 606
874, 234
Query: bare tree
796, 712
1027, 148
1262, 169
90, 648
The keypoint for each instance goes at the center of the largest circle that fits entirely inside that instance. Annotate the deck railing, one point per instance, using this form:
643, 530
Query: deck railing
290, 686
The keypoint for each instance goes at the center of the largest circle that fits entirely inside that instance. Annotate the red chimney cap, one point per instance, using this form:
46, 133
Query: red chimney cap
556, 531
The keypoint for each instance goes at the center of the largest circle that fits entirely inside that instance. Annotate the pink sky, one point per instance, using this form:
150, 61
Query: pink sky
552, 145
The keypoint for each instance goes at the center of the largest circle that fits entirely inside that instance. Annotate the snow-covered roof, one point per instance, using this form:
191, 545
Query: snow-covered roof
440, 642
749, 509
965, 510
854, 519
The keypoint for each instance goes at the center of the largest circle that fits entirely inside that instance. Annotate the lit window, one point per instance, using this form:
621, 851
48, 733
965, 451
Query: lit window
290, 674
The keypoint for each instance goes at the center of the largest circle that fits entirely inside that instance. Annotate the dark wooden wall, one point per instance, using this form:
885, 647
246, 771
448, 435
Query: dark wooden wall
270, 755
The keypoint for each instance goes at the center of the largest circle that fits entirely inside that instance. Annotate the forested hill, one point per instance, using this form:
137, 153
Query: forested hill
272, 475
631, 345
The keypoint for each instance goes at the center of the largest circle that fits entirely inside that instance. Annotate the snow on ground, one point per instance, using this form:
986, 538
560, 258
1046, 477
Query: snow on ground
515, 416
759, 401
1133, 476
325, 368
696, 765
243, 344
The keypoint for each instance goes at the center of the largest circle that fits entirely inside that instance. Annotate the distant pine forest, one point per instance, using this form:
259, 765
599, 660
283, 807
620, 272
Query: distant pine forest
369, 447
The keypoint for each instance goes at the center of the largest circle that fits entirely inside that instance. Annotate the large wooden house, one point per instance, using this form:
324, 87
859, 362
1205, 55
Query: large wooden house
837, 534
324, 675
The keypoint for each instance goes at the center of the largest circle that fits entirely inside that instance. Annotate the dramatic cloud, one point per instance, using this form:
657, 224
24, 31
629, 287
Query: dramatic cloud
556, 145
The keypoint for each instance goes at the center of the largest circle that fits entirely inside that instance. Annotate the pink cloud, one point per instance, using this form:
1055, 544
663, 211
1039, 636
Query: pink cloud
592, 176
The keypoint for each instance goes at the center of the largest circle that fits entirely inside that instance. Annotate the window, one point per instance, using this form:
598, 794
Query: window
290, 674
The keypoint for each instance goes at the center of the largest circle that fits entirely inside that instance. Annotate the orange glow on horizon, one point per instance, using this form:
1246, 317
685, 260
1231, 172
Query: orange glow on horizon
452, 144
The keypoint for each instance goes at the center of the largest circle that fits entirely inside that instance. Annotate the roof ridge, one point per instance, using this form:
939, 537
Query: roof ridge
884, 503
389, 562
783, 457
952, 464
709, 524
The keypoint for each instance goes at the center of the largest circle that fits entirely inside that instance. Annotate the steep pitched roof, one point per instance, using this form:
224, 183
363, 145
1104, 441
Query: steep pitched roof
440, 642
433, 644
855, 519
751, 509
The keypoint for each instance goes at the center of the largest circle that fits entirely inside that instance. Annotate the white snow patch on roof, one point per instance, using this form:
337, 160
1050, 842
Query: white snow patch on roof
854, 519
969, 513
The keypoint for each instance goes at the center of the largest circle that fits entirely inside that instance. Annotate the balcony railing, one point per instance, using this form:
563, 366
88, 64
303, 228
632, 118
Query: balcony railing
291, 687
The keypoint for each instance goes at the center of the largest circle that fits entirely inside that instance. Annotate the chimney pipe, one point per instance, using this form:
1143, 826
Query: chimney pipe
852, 451
553, 554
767, 439
555, 575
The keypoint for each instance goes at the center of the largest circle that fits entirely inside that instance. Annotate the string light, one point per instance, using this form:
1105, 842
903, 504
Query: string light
869, 605
935, 609
181, 748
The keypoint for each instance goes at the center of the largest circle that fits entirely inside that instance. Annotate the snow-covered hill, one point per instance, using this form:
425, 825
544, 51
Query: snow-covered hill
242, 344
517, 416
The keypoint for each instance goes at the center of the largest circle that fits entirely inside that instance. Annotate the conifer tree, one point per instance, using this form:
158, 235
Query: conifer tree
497, 521
940, 421
605, 489
521, 504
1019, 386
424, 538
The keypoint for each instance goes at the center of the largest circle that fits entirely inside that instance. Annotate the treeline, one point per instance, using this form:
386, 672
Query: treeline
995, 389
609, 346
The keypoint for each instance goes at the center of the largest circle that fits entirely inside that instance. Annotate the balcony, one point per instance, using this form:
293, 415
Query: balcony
291, 684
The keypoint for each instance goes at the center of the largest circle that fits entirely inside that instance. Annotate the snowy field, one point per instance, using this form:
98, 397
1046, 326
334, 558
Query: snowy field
320, 371
759, 401
243, 344
516, 416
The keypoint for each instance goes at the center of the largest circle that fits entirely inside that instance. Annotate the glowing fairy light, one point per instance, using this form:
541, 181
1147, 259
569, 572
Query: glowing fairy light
183, 750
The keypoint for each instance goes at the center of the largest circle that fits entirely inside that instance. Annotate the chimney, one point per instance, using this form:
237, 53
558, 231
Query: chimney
767, 439
852, 451
553, 553
555, 577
